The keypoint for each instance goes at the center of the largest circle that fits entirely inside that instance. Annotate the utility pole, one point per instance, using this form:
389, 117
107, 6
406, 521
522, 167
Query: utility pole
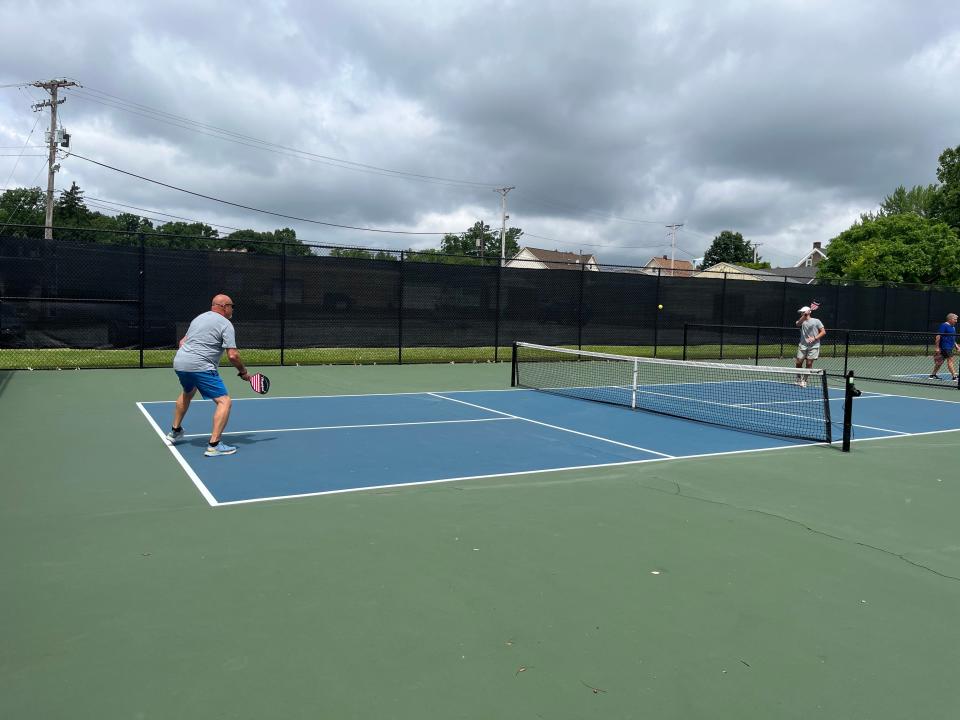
51, 86
503, 221
755, 256
673, 245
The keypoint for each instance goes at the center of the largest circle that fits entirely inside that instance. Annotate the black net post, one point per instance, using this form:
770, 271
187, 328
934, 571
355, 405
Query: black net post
756, 353
141, 291
685, 341
513, 367
850, 392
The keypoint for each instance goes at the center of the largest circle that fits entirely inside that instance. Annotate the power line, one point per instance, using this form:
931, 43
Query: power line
253, 209
208, 130
605, 216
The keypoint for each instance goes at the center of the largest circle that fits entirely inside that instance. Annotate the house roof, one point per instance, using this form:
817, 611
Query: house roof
799, 274
557, 256
815, 251
668, 264
732, 268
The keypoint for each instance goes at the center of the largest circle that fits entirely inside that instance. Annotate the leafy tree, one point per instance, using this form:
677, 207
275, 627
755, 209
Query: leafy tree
920, 200
947, 204
267, 243
69, 209
361, 254
26, 206
481, 242
896, 248
729, 247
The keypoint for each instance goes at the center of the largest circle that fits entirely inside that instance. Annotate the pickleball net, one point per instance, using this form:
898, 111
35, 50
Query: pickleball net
784, 402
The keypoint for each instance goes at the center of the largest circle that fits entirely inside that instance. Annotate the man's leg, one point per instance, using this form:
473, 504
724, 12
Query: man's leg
183, 404
953, 372
220, 417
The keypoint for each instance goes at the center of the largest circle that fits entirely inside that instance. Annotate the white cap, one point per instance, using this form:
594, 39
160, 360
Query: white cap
805, 309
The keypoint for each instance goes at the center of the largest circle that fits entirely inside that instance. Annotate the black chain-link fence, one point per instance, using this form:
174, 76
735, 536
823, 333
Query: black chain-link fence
98, 299
887, 355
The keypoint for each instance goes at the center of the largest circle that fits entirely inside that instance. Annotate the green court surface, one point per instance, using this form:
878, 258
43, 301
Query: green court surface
796, 583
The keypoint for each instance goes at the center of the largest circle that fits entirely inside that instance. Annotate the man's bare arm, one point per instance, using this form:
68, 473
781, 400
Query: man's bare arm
233, 355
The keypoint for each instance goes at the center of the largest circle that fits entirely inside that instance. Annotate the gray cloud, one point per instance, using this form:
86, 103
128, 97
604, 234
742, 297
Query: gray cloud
780, 120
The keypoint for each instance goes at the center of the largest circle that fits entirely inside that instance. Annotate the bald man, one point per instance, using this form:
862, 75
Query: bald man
196, 364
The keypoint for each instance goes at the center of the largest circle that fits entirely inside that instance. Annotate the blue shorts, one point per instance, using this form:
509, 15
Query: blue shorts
208, 382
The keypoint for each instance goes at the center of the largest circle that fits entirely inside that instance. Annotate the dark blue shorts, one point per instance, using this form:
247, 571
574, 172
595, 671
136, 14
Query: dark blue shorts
947, 352
208, 382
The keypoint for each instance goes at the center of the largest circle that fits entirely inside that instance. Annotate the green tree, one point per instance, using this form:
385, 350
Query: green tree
479, 241
69, 209
921, 200
896, 248
947, 204
267, 243
729, 247
361, 254
25, 206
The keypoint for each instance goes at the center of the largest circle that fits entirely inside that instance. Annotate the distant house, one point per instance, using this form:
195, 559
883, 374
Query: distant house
804, 271
738, 272
539, 259
669, 268
812, 258
803, 275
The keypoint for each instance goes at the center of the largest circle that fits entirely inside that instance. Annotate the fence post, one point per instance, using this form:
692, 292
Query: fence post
883, 336
836, 313
926, 349
783, 312
723, 308
756, 355
685, 341
283, 300
400, 313
496, 318
656, 317
141, 291
580, 311
846, 352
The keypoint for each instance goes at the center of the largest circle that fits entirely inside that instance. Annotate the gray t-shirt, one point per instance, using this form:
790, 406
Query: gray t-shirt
208, 336
810, 326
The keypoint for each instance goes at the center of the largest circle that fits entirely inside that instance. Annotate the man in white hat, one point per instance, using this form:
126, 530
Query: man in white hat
811, 330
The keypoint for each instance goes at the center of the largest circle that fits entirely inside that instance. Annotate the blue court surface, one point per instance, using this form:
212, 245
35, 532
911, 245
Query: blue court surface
303, 446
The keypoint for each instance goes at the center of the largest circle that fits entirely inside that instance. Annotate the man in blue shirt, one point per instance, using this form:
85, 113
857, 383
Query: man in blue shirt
945, 347
196, 363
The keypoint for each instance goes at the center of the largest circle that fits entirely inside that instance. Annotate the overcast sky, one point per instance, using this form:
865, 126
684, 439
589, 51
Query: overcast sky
781, 120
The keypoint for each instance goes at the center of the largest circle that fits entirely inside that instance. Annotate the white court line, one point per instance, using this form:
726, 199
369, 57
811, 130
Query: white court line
350, 427
555, 427
305, 397
560, 469
207, 495
507, 474
914, 397
215, 503
871, 427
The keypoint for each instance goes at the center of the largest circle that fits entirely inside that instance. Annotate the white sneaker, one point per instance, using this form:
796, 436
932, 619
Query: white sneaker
174, 435
219, 449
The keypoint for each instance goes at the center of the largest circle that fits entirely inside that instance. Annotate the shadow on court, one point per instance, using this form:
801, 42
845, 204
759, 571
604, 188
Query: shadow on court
5, 377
